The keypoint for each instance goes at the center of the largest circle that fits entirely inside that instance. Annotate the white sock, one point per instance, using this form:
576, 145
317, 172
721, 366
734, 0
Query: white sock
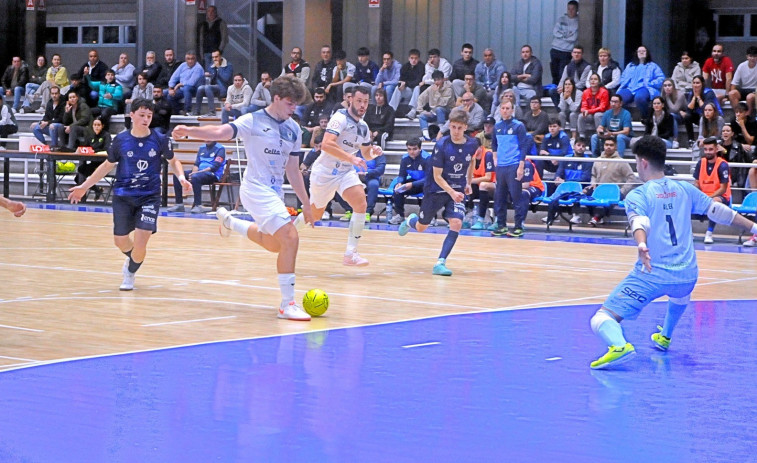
607, 328
426, 134
286, 283
299, 223
240, 226
357, 223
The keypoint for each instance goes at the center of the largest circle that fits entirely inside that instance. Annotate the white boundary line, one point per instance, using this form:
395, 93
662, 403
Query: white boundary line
191, 321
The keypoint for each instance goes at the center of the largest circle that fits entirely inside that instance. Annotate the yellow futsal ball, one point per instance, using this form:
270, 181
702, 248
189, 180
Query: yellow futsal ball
315, 302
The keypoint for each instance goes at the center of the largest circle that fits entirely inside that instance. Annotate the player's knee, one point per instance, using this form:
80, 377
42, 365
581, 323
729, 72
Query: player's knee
602, 315
455, 225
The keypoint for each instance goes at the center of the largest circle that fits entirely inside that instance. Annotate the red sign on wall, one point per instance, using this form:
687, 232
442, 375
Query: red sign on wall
374, 3
30, 5
190, 2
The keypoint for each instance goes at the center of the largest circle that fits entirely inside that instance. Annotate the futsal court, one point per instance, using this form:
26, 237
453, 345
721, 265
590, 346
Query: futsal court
491, 364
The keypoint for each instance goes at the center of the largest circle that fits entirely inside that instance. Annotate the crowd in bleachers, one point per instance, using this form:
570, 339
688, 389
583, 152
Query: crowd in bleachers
592, 103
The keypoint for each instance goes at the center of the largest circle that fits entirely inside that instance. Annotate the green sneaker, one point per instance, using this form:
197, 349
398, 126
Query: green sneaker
441, 269
405, 225
346, 217
661, 342
517, 233
614, 356
502, 231
367, 218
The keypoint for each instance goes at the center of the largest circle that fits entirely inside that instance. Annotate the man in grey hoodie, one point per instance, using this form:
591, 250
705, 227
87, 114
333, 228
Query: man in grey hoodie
238, 97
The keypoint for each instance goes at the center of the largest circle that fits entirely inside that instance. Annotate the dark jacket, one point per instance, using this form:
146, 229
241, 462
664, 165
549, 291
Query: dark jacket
97, 73
153, 72
606, 76
54, 114
380, 119
412, 75
22, 79
166, 71
83, 116
664, 128
37, 75
162, 116
460, 68
98, 142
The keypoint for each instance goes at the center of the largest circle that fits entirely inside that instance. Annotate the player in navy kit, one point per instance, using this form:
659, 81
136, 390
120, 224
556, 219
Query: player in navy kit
447, 187
273, 142
136, 191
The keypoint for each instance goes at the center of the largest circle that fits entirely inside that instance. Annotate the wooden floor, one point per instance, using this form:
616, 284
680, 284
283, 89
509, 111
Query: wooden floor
60, 274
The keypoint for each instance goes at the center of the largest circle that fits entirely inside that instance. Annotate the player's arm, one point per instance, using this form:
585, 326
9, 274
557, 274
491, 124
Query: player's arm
640, 227
16, 207
469, 177
370, 152
439, 179
178, 169
294, 176
330, 146
77, 192
205, 132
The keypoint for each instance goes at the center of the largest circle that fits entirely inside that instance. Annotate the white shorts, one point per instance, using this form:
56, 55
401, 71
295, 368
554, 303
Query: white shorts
265, 206
324, 186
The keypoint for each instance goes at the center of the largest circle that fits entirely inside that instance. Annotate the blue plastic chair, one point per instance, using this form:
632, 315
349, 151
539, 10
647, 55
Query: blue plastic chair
748, 206
605, 195
566, 187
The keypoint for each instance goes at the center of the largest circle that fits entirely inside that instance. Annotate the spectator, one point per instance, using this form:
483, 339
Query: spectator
595, 101
476, 116
479, 93
712, 176
616, 122
56, 75
528, 71
718, 72
484, 137
435, 103
95, 69
745, 80
344, 73
388, 76
411, 76
696, 98
214, 35
218, 77
733, 152
261, 97
577, 70
125, 76
310, 117
323, 74
51, 120
608, 70
619, 173
641, 81
37, 76
207, 169
570, 170
365, 69
505, 82
76, 121
111, 96
320, 130
555, 143
710, 124
411, 178
14, 81
569, 106
465, 65
298, 66
380, 120
167, 70
371, 177
435, 63
99, 140
238, 97
184, 83
8, 124
685, 71
564, 36
161, 116
488, 74
675, 101
151, 68
484, 178
79, 85
143, 90
660, 123
744, 127
536, 120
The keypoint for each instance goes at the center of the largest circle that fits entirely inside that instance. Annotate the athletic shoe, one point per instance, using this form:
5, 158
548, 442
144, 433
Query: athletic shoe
411, 114
224, 216
367, 218
676, 145
708, 238
405, 225
516, 233
176, 208
441, 269
594, 221
326, 216
478, 224
128, 283
493, 226
661, 342
555, 220
576, 219
396, 220
751, 242
210, 114
346, 217
354, 260
291, 311
501, 231
614, 356
199, 210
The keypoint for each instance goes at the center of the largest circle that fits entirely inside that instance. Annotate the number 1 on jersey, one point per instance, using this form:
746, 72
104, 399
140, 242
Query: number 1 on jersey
672, 229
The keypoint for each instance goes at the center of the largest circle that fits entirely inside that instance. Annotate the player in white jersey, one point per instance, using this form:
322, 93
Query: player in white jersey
347, 135
659, 213
273, 142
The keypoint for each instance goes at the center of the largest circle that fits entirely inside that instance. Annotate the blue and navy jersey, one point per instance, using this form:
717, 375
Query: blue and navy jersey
139, 163
510, 142
454, 160
557, 146
669, 205
413, 170
213, 157
575, 171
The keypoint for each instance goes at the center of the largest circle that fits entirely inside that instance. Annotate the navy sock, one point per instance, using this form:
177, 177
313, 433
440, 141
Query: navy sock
449, 243
127, 253
133, 266
412, 222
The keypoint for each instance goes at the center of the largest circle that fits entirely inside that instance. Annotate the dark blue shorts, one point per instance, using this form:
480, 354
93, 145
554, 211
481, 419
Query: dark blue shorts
130, 212
441, 200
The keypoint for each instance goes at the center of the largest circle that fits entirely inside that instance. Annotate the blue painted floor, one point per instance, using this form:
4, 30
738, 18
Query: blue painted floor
505, 386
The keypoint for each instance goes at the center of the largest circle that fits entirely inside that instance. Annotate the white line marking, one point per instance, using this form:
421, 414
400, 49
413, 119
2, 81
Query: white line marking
20, 328
24, 298
104, 291
19, 365
191, 321
17, 358
551, 359
409, 346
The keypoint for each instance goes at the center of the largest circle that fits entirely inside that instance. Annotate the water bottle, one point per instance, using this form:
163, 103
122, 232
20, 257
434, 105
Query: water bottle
389, 209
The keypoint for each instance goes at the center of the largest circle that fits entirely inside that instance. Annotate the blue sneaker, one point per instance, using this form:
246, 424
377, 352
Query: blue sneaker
441, 269
478, 224
493, 226
405, 225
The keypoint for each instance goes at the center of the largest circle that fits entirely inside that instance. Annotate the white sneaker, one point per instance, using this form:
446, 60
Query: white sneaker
708, 238
555, 220
326, 216
396, 220
676, 145
224, 216
354, 260
128, 283
576, 219
751, 242
291, 311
